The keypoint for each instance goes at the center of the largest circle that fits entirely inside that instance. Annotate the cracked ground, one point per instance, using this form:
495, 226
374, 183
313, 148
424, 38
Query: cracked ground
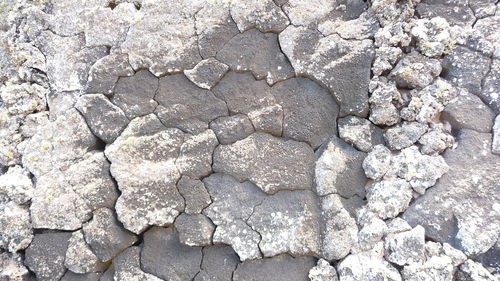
249, 140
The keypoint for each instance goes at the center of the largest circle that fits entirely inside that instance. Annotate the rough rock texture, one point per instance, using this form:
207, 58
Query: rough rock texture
194, 230
207, 73
128, 267
79, 257
359, 132
280, 268
219, 263
323, 271
46, 253
374, 268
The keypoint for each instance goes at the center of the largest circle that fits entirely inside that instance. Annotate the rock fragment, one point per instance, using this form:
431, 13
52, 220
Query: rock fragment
230, 129
323, 271
218, 264
105, 72
279, 268
194, 230
359, 132
195, 195
495, 146
164, 256
405, 247
283, 164
128, 267
105, 236
16, 184
372, 268
436, 140
490, 86
16, 230
207, 73
384, 100
404, 134
474, 271
455, 12
195, 155
12, 268
45, 255
415, 71
79, 257
23, 99
263, 15
434, 36
377, 162
388, 198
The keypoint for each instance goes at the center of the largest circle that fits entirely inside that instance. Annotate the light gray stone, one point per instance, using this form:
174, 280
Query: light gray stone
495, 146
377, 162
195, 195
230, 129
207, 73
415, 71
195, 155
280, 268
16, 184
473, 271
404, 134
218, 264
16, 230
79, 257
263, 15
406, 247
194, 230
323, 271
359, 132
388, 198
366, 267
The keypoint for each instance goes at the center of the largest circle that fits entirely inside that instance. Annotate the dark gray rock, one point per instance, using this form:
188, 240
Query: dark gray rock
218, 264
185, 106
310, 112
194, 230
359, 132
467, 111
45, 256
466, 68
71, 276
108, 275
454, 11
283, 164
195, 195
127, 267
448, 212
339, 169
105, 120
105, 236
164, 256
134, 94
206, 73
415, 71
490, 86
280, 268
259, 53
404, 134
232, 128
105, 72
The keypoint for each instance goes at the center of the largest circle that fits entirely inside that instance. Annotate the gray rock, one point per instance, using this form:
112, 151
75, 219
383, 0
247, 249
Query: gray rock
194, 230
388, 198
195, 195
388, 12
135, 94
455, 12
79, 257
448, 212
147, 180
195, 155
23, 99
415, 71
105, 236
339, 169
257, 52
495, 146
343, 66
288, 223
310, 112
218, 264
434, 36
384, 100
243, 94
406, 247
371, 233
16, 231
71, 276
13, 268
109, 274
466, 68
185, 106
366, 267
105, 120
232, 229
362, 27
359, 132
280, 268
490, 86
473, 271
483, 8
164, 256
377, 162
283, 164
323, 271
263, 15
16, 185
105, 72
230, 129
128, 267
46, 253
404, 134
207, 73
469, 112
436, 140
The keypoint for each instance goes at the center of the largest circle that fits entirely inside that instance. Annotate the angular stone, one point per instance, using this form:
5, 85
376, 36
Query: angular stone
257, 52
288, 223
185, 106
415, 71
363, 27
448, 212
105, 236
301, 13
230, 129
467, 111
434, 36
383, 101
388, 198
323, 271
263, 15
16, 185
105, 120
79, 256
23, 99
495, 146
135, 94
226, 192
105, 72
490, 86
46, 253
339, 169
284, 164
310, 112
455, 12
65, 200
366, 267
473, 271
195, 156
406, 247
169, 49
147, 180
280, 268
71, 276
359, 132
194, 230
164, 256
371, 233
377, 162
207, 73
13, 268
343, 66
404, 134
218, 264
466, 68
436, 140
128, 267
16, 231
195, 195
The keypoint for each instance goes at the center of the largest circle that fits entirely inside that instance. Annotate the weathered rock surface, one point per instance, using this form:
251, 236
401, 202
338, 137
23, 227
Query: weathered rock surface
374, 268
79, 257
360, 132
323, 271
404, 134
263, 15
195, 154
230, 129
194, 230
46, 253
218, 264
280, 268
415, 71
405, 247
16, 185
128, 267
495, 146
388, 198
105, 72
195, 195
16, 230
207, 73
